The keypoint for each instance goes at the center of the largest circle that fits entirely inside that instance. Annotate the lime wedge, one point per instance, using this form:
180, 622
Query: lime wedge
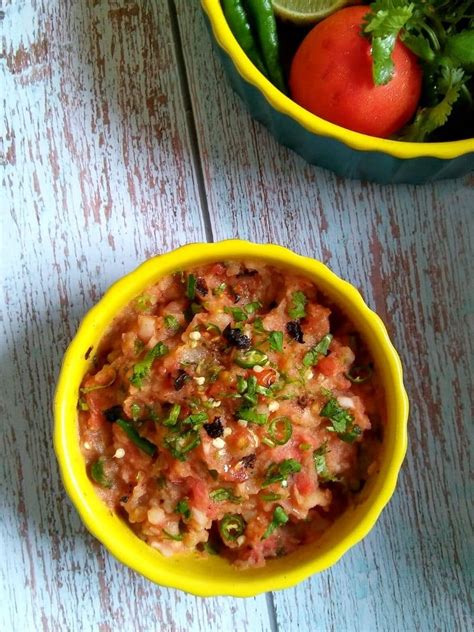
307, 11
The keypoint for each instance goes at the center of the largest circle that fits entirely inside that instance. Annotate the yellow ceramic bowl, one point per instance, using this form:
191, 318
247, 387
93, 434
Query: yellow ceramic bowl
322, 143
215, 576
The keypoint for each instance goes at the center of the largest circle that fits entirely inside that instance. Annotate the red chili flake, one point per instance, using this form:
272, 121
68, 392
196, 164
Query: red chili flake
201, 286
214, 429
249, 461
236, 338
114, 413
294, 330
181, 380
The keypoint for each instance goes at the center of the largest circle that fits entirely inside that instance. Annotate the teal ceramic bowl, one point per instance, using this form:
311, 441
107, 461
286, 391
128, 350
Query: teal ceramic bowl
321, 143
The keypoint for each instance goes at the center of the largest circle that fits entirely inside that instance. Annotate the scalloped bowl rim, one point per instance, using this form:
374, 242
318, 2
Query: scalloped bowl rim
219, 577
312, 123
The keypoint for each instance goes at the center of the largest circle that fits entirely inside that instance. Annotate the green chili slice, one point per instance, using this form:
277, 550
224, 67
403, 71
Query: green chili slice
231, 527
224, 493
171, 536
280, 430
191, 286
250, 358
146, 446
359, 374
98, 474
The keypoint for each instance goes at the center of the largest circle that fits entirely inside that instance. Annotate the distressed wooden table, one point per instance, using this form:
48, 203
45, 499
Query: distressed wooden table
120, 139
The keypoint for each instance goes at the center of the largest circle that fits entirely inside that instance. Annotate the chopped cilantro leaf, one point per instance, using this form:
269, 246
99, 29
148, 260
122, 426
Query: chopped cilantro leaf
251, 308
342, 421
279, 472
298, 305
142, 369
238, 313
279, 518
276, 341
258, 326
250, 414
319, 457
220, 289
171, 323
321, 349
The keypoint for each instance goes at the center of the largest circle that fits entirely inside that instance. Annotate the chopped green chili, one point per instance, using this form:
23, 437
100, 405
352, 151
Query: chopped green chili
191, 286
258, 326
180, 444
171, 536
270, 497
96, 387
214, 329
146, 446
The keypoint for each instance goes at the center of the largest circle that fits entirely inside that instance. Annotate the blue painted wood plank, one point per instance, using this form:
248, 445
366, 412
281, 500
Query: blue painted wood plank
410, 251
97, 175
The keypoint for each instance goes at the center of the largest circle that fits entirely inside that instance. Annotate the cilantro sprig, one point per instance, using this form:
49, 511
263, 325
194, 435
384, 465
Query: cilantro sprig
441, 34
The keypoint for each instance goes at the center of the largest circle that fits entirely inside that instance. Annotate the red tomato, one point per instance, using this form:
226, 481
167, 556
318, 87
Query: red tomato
331, 76
329, 366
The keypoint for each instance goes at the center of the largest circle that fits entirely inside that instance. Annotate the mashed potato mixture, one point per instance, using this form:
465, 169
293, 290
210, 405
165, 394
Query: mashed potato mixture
231, 409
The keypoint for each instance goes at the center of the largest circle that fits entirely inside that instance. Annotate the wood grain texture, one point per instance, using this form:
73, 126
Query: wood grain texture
97, 174
410, 251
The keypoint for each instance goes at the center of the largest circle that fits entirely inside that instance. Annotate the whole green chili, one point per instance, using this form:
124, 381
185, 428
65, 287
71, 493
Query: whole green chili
240, 26
261, 12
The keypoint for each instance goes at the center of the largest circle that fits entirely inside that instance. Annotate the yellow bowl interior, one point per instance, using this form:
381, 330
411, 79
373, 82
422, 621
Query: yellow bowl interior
214, 576
311, 122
